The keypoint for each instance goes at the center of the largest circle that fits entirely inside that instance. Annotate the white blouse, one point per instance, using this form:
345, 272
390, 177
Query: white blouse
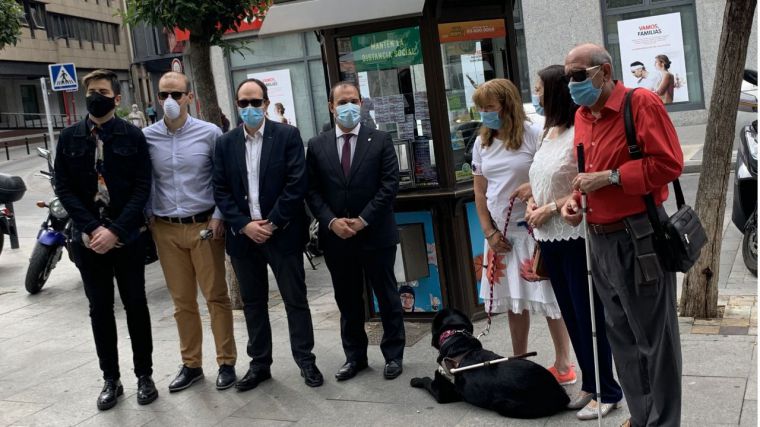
505, 170
551, 176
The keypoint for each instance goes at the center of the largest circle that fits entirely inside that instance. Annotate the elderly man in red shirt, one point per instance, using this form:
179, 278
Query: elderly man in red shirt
639, 296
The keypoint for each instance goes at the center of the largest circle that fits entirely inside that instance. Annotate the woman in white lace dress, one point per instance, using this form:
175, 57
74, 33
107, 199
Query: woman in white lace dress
501, 157
562, 246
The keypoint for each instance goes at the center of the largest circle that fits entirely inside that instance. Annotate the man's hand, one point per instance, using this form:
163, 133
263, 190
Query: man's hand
103, 240
571, 212
356, 224
538, 216
523, 192
342, 228
588, 182
217, 227
256, 231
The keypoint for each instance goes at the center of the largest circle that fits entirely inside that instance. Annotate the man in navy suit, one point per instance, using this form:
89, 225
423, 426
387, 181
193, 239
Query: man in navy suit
259, 186
353, 181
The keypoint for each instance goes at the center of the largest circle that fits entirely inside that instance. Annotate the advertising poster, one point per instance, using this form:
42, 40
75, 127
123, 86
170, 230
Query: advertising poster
652, 56
424, 294
279, 91
477, 243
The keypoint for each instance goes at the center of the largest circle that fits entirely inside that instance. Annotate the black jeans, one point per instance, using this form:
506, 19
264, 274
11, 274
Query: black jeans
127, 265
253, 277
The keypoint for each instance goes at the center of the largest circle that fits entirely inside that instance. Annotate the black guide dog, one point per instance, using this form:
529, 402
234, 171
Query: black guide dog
517, 388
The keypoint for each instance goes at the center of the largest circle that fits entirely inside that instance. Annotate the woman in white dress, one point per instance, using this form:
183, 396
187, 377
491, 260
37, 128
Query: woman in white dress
562, 246
502, 155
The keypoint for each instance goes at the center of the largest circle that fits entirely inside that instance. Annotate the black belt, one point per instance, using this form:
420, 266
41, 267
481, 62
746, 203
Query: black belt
201, 217
602, 229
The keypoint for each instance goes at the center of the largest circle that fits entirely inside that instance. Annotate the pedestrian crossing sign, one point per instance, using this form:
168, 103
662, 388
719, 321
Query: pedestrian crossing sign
63, 77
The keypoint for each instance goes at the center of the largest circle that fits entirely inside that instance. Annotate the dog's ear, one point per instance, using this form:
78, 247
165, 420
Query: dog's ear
435, 328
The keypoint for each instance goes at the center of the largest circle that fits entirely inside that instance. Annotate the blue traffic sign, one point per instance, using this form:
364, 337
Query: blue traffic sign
63, 77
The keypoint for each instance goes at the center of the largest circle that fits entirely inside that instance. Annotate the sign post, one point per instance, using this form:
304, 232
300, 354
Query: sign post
43, 85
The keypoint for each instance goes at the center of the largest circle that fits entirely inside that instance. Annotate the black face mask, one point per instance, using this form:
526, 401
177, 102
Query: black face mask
99, 105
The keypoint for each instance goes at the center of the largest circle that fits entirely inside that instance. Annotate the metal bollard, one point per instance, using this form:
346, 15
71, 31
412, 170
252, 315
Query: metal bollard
26, 141
7, 153
44, 139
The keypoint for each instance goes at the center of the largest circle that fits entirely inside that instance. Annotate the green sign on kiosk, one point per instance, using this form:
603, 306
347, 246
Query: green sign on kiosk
387, 49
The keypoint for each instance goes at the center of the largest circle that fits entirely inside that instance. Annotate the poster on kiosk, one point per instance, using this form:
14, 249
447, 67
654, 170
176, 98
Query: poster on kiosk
652, 56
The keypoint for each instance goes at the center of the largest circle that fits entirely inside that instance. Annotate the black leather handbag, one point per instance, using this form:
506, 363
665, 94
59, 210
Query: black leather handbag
680, 238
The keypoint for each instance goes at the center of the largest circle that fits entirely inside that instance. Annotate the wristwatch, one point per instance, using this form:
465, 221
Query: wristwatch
553, 207
614, 177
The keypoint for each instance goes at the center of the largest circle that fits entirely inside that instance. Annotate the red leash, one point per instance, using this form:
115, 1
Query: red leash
493, 261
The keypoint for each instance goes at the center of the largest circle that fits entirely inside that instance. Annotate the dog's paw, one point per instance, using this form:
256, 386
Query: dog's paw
418, 382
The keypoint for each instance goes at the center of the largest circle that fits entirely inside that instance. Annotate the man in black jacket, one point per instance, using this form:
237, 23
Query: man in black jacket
353, 181
259, 187
102, 177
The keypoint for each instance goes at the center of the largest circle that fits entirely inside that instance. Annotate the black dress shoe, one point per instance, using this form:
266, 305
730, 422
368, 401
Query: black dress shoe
112, 389
252, 378
392, 369
349, 370
185, 378
226, 377
311, 375
146, 390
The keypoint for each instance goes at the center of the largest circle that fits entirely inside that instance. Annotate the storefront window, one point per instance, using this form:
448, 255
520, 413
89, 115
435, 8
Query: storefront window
387, 67
269, 49
657, 48
471, 53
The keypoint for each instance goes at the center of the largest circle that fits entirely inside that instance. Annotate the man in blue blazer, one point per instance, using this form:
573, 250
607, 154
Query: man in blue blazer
353, 181
259, 186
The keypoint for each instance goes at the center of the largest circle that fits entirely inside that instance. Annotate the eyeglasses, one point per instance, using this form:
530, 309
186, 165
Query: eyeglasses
581, 75
256, 103
175, 95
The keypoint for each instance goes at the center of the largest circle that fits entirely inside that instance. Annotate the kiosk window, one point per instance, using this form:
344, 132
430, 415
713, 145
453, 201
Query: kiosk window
472, 53
387, 67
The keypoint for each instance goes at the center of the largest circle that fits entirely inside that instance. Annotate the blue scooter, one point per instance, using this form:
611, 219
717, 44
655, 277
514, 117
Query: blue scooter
54, 235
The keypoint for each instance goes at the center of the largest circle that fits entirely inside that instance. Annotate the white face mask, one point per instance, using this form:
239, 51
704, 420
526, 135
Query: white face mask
171, 108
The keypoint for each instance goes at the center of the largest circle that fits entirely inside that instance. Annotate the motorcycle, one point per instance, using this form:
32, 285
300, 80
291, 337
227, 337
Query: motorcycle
744, 210
54, 235
12, 189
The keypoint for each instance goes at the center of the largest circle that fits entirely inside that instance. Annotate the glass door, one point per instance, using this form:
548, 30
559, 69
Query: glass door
471, 52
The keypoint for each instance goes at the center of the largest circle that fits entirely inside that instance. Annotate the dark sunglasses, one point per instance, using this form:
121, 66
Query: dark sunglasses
580, 75
256, 103
175, 95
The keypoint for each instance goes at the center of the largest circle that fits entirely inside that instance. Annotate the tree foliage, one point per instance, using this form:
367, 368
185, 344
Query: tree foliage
207, 20
11, 14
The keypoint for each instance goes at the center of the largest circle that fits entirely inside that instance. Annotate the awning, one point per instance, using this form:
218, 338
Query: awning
306, 15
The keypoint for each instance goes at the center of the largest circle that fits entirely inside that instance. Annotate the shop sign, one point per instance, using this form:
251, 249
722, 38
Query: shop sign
387, 49
471, 30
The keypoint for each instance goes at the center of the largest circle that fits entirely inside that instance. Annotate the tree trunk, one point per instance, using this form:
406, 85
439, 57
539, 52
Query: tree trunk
234, 286
203, 84
203, 79
699, 297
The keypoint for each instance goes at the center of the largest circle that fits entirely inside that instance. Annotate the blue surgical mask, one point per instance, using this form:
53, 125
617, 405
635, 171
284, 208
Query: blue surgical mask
537, 104
348, 115
584, 93
491, 119
252, 116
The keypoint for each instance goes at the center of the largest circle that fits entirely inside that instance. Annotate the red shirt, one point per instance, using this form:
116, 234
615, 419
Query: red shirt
605, 148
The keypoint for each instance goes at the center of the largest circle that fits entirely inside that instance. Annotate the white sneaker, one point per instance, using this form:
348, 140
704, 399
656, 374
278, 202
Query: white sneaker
589, 411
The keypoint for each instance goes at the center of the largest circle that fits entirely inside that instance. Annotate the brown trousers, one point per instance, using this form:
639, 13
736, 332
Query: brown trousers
189, 262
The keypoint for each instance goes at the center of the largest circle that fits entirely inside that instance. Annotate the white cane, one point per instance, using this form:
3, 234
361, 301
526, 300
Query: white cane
582, 169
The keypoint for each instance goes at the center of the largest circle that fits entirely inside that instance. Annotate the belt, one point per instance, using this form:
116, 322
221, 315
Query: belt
201, 217
602, 229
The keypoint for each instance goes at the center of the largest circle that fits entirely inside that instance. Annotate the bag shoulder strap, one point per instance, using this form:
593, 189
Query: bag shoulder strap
635, 152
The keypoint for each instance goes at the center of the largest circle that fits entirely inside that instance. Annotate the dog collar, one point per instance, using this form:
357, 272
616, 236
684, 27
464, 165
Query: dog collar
449, 333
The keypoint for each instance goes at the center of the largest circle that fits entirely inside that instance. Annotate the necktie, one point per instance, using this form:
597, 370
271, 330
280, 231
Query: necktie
345, 157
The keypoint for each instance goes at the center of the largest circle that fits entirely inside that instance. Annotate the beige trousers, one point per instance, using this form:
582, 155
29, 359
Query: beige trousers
189, 263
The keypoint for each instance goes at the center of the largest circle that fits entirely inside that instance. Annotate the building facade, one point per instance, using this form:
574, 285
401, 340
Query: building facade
88, 33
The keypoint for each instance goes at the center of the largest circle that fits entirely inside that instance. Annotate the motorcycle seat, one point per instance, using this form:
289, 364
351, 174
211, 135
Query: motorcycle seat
12, 188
